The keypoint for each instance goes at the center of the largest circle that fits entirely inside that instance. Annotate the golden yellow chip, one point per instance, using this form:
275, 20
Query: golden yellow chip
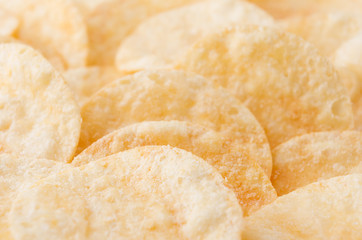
170, 34
113, 20
326, 31
143, 193
283, 80
331, 209
55, 27
348, 61
87, 80
173, 95
313, 157
14, 172
8, 23
243, 175
38, 114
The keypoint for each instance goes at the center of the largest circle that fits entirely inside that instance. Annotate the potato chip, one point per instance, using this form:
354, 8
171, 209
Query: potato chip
87, 80
55, 27
113, 20
173, 95
313, 157
14, 172
244, 176
326, 31
38, 114
348, 61
331, 209
170, 34
283, 80
8, 23
143, 193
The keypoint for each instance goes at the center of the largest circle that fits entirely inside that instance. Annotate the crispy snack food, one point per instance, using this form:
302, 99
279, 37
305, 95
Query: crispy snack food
151, 192
243, 175
170, 34
330, 209
55, 27
38, 114
309, 158
173, 95
348, 61
16, 171
86, 81
286, 84
8, 23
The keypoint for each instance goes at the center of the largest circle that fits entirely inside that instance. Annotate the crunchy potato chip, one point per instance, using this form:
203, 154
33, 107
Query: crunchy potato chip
14, 172
38, 114
150, 192
283, 80
331, 209
326, 31
113, 20
87, 6
243, 175
313, 157
173, 95
55, 27
87, 80
348, 61
170, 34
8, 23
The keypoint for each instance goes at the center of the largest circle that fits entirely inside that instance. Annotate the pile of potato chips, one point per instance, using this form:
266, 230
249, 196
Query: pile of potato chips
182, 119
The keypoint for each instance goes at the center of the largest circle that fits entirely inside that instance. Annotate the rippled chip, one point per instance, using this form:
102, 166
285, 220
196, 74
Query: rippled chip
331, 209
243, 175
8, 23
348, 61
313, 157
173, 95
151, 192
86, 81
326, 31
38, 114
14, 172
55, 27
169, 35
283, 80
112, 21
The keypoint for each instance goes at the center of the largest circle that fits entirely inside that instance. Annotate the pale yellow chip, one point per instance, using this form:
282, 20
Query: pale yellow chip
331, 209
86, 81
144, 193
161, 40
173, 95
283, 80
8, 23
326, 31
14, 172
55, 27
348, 61
113, 20
38, 114
313, 157
243, 175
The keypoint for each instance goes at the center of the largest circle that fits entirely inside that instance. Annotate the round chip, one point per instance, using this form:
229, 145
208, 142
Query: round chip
173, 95
113, 20
326, 31
283, 80
87, 80
38, 114
8, 23
331, 209
348, 61
14, 172
170, 34
243, 175
313, 157
55, 27
150, 192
